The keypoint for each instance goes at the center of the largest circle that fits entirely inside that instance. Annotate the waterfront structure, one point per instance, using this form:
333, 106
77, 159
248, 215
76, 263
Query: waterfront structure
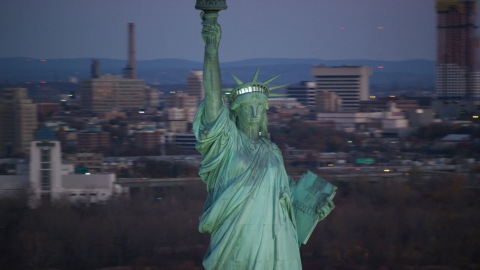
349, 83
457, 50
18, 121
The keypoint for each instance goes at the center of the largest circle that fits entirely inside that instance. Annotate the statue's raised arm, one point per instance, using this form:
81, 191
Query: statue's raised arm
212, 82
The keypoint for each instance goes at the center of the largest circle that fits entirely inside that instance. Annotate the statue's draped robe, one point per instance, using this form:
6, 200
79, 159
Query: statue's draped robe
248, 211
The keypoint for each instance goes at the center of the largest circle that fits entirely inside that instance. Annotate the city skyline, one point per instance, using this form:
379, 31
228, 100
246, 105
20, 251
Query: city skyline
345, 29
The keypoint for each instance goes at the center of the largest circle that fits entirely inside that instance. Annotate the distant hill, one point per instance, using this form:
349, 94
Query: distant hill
174, 71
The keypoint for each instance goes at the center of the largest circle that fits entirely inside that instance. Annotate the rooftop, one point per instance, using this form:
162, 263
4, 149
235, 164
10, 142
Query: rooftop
45, 134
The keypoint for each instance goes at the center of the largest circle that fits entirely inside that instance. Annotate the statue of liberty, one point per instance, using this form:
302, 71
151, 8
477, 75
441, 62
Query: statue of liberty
249, 211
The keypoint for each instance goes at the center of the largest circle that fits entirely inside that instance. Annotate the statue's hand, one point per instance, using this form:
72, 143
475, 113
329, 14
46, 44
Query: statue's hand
325, 210
211, 33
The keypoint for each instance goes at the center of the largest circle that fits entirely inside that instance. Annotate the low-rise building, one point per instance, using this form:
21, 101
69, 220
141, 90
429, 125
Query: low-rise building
93, 139
49, 179
327, 102
91, 161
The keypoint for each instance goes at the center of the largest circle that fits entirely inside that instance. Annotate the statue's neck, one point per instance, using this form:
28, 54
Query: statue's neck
251, 132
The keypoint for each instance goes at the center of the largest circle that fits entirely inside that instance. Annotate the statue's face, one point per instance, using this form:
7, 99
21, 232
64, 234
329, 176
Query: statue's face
250, 113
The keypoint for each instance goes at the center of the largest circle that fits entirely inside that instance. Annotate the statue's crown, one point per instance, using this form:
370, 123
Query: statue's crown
253, 86
211, 5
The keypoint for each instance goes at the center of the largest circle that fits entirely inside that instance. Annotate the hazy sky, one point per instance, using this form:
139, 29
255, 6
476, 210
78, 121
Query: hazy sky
323, 29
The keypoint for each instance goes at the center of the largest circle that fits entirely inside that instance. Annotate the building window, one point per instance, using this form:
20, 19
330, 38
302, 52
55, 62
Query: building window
45, 155
45, 166
45, 176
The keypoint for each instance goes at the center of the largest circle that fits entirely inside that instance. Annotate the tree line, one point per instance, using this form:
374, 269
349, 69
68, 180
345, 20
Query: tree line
384, 225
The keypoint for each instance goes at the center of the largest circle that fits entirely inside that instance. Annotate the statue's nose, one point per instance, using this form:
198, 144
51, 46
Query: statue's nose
254, 111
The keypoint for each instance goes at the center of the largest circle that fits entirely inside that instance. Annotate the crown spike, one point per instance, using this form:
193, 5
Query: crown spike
237, 79
271, 79
255, 77
277, 86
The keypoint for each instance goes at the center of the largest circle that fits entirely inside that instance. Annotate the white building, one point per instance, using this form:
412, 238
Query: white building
49, 179
347, 120
349, 83
284, 102
392, 118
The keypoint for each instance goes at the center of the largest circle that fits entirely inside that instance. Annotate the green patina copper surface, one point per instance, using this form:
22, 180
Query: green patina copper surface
253, 206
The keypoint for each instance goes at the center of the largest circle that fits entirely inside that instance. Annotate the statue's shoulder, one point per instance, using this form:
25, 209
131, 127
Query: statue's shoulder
272, 146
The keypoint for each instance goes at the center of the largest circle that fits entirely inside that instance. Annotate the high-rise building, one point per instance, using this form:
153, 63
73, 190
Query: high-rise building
195, 85
18, 121
349, 83
457, 49
304, 93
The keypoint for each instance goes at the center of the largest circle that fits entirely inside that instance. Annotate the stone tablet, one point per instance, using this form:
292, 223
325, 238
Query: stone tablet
309, 196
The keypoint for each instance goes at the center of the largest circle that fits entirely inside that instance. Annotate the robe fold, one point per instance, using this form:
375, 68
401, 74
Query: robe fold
248, 211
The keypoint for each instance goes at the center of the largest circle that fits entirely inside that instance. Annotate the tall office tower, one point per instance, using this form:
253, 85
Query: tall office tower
18, 121
457, 49
304, 93
349, 83
195, 85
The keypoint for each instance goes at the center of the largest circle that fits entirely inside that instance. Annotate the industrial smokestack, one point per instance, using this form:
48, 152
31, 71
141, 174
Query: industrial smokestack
95, 69
130, 70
